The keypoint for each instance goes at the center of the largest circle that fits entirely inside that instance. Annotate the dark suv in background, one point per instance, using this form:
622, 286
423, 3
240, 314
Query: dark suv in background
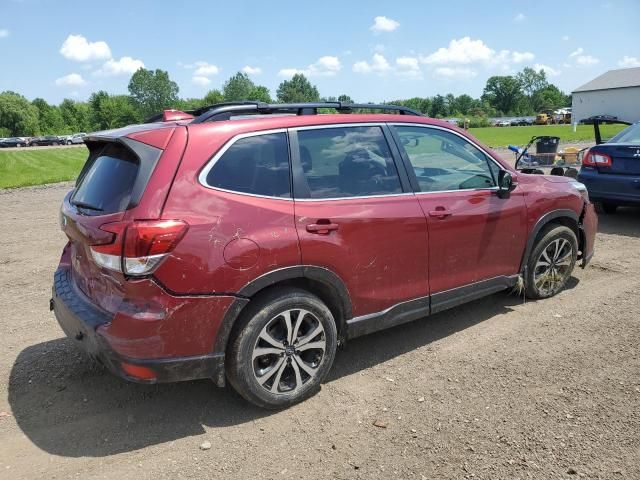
246, 241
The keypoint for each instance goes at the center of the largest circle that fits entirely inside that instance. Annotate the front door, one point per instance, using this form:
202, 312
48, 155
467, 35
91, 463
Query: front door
473, 234
354, 217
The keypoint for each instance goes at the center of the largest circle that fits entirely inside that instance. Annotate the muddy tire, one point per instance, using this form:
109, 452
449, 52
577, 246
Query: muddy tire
282, 348
551, 262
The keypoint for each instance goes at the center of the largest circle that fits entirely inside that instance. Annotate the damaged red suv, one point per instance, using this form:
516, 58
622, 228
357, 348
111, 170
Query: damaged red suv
246, 241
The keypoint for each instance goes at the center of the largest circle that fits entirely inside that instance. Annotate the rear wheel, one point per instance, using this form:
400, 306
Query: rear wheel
282, 349
551, 262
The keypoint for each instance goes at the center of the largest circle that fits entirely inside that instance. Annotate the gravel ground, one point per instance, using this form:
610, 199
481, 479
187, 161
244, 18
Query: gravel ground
498, 388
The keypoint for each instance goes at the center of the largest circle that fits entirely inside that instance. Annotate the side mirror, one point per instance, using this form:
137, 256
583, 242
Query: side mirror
506, 183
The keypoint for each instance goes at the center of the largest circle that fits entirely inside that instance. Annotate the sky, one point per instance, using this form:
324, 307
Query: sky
370, 50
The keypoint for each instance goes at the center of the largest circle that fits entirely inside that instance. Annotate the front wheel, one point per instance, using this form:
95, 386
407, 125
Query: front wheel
283, 348
551, 262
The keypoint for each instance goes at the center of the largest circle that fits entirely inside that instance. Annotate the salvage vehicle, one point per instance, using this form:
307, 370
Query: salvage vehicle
47, 140
13, 142
611, 170
244, 242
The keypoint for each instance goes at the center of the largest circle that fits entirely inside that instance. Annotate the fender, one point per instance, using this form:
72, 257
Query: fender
542, 221
328, 278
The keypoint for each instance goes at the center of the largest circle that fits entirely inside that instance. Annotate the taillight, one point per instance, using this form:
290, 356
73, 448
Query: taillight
138, 247
596, 159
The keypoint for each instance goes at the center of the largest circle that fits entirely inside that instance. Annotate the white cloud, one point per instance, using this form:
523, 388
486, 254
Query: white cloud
565, 37
384, 24
408, 67
198, 80
584, 60
467, 51
577, 52
520, 57
78, 48
552, 72
461, 51
629, 62
124, 66
4, 33
326, 66
71, 80
455, 72
519, 17
204, 69
378, 65
249, 70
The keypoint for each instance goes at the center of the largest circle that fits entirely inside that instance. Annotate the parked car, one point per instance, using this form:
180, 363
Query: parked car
13, 142
46, 140
611, 170
503, 123
74, 139
250, 251
602, 119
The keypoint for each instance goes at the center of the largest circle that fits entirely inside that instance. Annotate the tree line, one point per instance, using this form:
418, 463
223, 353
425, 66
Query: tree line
525, 93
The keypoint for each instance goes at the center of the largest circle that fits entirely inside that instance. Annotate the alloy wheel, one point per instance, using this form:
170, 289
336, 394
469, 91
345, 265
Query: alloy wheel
553, 267
289, 351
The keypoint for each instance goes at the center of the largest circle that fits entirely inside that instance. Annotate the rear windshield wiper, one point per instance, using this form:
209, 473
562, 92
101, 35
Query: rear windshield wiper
87, 206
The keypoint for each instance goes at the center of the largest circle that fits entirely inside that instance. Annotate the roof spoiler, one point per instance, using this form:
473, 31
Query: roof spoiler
170, 115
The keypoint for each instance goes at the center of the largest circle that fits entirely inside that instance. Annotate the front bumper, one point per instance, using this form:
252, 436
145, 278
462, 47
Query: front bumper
81, 321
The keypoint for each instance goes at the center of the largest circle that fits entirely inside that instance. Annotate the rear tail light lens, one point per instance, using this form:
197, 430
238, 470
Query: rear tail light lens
138, 247
596, 159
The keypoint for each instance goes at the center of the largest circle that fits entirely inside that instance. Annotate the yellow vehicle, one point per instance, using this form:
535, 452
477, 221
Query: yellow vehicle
544, 118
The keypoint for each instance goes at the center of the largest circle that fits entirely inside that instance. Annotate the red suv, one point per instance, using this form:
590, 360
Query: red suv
247, 242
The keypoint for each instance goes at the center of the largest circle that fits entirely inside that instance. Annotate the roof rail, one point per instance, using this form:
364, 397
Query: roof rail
224, 111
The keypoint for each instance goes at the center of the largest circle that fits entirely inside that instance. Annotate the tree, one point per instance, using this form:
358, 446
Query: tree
298, 89
260, 94
112, 111
152, 91
75, 115
438, 107
345, 98
240, 87
17, 115
502, 93
531, 83
213, 97
550, 98
49, 117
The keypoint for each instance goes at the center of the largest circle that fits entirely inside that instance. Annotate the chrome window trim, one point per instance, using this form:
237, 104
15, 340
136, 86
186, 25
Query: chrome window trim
385, 195
202, 177
437, 127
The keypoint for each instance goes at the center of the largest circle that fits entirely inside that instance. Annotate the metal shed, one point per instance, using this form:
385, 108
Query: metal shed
616, 92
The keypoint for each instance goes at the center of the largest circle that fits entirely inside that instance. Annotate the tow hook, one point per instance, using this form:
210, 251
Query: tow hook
51, 304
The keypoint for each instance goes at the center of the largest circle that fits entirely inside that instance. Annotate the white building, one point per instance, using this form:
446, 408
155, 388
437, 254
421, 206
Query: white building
616, 93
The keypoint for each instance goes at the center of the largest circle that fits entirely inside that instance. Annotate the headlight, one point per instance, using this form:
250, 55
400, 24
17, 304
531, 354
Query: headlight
581, 187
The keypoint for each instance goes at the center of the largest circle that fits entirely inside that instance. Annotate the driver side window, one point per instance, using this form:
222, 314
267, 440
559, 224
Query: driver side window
444, 161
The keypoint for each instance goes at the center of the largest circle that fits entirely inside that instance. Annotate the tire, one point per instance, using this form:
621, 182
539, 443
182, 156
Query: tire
551, 262
68, 142
606, 207
267, 370
55, 144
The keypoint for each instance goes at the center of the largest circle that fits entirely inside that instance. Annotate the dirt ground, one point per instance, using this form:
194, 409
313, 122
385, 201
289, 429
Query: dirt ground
498, 388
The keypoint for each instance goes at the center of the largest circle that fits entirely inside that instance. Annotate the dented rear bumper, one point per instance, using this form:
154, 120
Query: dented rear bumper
132, 347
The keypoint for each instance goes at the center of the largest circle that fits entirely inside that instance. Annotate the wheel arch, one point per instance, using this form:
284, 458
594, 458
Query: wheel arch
565, 217
319, 281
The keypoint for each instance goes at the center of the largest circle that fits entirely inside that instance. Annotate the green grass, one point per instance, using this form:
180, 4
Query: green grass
35, 166
505, 136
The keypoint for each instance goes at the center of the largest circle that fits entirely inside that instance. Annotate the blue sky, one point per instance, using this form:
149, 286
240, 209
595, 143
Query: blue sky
370, 50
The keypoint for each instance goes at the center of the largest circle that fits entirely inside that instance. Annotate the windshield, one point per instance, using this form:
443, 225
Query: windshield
630, 134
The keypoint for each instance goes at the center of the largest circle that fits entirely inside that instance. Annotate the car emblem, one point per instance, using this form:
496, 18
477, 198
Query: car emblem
637, 154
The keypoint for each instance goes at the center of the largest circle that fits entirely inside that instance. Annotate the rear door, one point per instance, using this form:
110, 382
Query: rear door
356, 217
473, 234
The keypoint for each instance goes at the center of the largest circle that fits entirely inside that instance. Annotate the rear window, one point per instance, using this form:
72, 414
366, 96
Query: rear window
107, 182
630, 134
256, 165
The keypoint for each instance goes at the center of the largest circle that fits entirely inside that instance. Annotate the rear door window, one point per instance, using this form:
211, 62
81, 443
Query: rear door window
106, 183
347, 162
257, 165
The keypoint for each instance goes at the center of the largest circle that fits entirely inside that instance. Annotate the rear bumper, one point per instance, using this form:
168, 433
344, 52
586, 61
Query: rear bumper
82, 321
610, 187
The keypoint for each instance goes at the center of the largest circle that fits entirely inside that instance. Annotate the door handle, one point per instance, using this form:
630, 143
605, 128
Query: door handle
322, 228
440, 212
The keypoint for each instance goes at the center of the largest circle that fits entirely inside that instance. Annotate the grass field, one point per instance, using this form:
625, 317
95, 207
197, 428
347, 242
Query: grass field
505, 136
35, 166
